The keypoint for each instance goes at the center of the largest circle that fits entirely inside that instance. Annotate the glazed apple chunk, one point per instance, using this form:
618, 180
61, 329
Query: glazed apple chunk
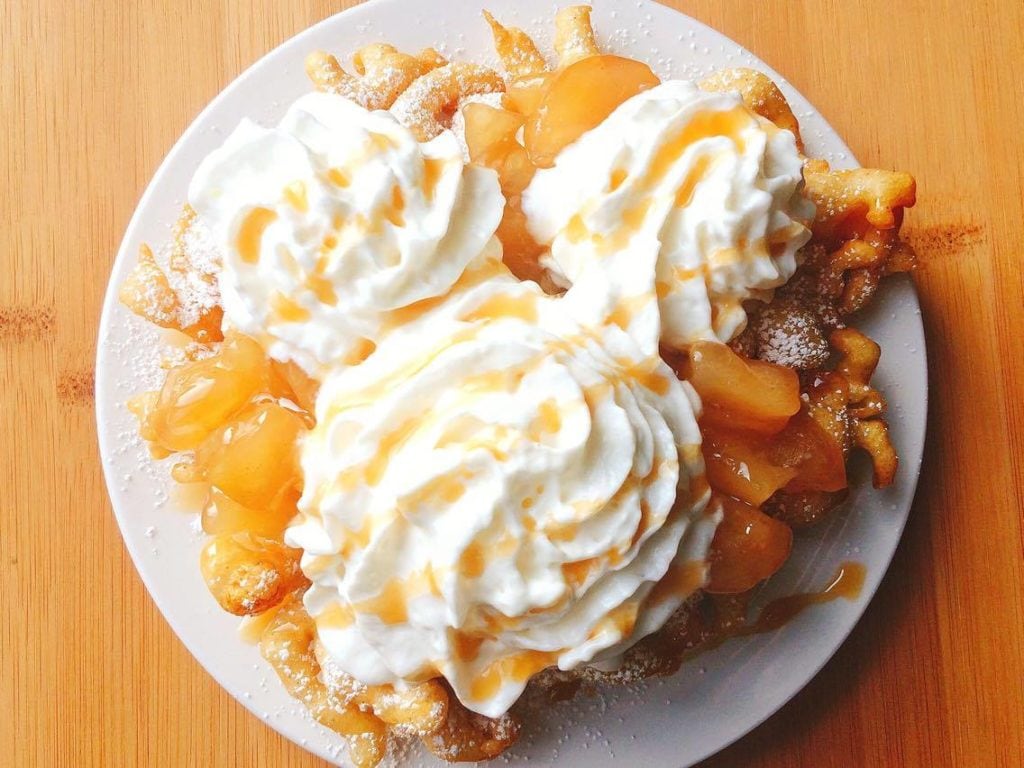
749, 546
760, 439
759, 435
238, 414
579, 97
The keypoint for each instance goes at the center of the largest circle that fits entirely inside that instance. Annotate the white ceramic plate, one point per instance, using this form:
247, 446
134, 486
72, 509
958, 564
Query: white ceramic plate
714, 699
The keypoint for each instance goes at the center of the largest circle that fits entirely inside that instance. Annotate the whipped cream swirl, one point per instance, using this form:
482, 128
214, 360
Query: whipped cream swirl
673, 211
498, 490
333, 221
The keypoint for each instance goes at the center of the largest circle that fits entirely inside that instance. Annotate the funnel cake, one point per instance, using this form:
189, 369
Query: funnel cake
778, 383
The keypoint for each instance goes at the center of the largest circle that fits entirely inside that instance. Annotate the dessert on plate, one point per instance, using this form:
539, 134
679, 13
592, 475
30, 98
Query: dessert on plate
509, 382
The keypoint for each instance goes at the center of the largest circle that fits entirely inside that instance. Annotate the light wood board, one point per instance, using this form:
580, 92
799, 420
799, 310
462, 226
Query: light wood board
94, 92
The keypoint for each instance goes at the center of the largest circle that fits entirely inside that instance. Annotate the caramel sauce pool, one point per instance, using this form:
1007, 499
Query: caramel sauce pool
696, 635
846, 583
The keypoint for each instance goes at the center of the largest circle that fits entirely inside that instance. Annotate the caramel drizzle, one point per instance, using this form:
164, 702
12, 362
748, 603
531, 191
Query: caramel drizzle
517, 669
250, 233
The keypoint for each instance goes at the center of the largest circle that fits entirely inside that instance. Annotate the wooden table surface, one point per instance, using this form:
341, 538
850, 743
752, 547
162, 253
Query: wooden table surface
94, 92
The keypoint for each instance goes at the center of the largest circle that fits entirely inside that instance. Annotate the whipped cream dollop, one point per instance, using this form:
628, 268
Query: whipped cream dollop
336, 220
497, 490
673, 211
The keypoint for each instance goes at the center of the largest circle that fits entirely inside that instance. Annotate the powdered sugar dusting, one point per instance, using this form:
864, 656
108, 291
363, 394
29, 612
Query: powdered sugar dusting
427, 105
194, 262
791, 336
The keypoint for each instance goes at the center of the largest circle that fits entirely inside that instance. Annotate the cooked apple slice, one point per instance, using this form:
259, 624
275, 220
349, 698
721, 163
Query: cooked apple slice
739, 393
222, 514
813, 452
491, 141
253, 459
525, 93
743, 465
199, 396
748, 547
580, 97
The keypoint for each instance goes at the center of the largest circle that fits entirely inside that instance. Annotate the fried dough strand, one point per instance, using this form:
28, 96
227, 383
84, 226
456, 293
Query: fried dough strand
160, 296
288, 645
147, 292
249, 574
851, 203
427, 105
858, 359
516, 49
382, 73
574, 35
759, 94
468, 737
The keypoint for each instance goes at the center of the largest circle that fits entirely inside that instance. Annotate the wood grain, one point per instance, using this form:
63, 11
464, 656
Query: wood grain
95, 92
